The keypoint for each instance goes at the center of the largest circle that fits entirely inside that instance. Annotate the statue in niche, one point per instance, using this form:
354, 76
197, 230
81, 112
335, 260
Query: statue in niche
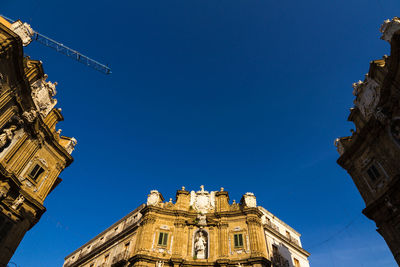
7, 135
18, 202
200, 244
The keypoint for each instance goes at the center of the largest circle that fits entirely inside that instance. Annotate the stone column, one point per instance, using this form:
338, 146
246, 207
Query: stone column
223, 240
255, 238
179, 241
144, 239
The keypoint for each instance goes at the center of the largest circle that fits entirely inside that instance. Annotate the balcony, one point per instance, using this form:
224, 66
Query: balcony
119, 260
279, 261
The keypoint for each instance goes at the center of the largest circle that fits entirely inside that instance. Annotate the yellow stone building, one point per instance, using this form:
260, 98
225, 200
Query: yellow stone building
32, 152
200, 228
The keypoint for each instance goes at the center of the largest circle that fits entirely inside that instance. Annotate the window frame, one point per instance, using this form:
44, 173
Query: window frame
38, 174
240, 240
162, 239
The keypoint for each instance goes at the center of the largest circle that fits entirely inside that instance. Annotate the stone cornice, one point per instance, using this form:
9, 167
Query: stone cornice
185, 263
130, 229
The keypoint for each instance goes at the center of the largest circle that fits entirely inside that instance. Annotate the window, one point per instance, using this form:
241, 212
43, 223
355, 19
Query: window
373, 173
36, 172
288, 234
275, 250
163, 239
296, 262
238, 240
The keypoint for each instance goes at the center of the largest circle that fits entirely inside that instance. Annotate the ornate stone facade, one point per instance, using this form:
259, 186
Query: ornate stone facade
200, 228
371, 154
32, 153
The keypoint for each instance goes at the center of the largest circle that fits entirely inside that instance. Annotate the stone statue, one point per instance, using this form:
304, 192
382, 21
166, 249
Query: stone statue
200, 245
17, 202
160, 264
7, 135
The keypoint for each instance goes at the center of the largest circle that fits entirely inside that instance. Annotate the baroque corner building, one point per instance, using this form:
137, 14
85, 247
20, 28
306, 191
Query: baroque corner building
200, 228
371, 155
32, 152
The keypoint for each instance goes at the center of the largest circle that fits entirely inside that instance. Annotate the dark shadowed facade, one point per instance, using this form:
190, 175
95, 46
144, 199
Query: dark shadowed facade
32, 152
371, 155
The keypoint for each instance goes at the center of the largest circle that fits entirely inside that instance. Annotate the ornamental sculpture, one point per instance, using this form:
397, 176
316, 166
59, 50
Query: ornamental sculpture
153, 198
250, 200
202, 201
367, 96
7, 136
42, 94
24, 31
200, 244
18, 202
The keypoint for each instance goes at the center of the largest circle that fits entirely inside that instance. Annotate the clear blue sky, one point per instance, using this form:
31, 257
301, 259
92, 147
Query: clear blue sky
248, 95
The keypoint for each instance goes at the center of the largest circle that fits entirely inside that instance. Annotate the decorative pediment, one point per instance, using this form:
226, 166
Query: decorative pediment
42, 94
367, 96
202, 201
389, 28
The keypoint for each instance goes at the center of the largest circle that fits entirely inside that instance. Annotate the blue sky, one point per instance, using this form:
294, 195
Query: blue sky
248, 95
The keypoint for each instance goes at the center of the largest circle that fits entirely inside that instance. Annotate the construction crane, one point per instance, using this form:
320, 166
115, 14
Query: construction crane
27, 35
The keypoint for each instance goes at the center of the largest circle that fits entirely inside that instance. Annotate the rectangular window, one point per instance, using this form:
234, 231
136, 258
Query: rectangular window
238, 240
275, 250
296, 262
36, 172
373, 173
163, 239
288, 234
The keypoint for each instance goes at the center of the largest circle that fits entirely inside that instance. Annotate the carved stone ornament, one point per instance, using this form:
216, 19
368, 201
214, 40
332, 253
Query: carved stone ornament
7, 135
250, 200
4, 188
200, 244
42, 94
153, 198
24, 31
367, 96
202, 201
389, 28
395, 130
339, 146
18, 202
202, 219
30, 116
160, 264
71, 145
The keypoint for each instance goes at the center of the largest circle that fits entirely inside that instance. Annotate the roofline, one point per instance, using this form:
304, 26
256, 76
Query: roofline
106, 230
279, 220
